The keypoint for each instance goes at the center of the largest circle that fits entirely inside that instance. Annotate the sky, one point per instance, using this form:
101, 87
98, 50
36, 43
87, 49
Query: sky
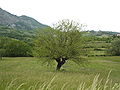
96, 14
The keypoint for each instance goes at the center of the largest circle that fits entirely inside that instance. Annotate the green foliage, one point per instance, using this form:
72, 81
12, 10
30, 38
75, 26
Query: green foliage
3, 42
2, 53
115, 47
61, 43
22, 35
13, 47
23, 26
58, 44
17, 48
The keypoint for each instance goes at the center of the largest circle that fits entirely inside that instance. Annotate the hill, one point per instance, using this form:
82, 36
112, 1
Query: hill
23, 35
100, 33
18, 22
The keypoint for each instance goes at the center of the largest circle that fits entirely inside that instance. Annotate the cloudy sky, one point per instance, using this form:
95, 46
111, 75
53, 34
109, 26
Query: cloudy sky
97, 14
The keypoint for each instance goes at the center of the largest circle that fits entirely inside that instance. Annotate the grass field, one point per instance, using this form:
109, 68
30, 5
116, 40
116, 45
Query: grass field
28, 73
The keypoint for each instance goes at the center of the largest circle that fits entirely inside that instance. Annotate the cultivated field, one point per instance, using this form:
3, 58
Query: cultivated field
27, 73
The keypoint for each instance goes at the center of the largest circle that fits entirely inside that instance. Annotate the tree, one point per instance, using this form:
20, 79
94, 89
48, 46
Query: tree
2, 53
12, 47
3, 41
16, 48
61, 43
115, 47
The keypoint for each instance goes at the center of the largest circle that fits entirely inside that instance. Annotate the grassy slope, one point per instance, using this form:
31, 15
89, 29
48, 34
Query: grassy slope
31, 71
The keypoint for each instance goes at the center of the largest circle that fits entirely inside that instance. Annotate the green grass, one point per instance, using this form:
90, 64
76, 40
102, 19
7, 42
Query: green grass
27, 73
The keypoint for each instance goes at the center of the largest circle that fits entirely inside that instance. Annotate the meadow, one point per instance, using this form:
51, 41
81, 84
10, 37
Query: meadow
29, 73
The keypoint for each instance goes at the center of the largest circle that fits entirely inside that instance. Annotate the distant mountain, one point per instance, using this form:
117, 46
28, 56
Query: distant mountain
18, 22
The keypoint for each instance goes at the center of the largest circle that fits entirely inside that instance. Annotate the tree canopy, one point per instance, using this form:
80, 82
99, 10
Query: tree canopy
115, 47
13, 47
61, 43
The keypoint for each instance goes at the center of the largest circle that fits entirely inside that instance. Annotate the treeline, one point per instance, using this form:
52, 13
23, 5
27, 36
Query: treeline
10, 47
20, 43
100, 33
15, 43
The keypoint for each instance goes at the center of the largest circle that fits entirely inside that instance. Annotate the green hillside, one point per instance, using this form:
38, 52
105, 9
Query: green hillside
19, 22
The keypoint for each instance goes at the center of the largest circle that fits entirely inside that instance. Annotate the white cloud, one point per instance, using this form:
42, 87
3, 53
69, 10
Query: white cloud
98, 14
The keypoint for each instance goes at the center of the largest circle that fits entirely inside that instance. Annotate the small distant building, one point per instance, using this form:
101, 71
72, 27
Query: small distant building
118, 34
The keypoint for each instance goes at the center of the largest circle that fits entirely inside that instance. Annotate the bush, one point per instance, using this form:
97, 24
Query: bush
14, 48
115, 47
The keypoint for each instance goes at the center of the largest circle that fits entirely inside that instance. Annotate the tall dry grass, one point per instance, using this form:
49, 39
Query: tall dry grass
97, 84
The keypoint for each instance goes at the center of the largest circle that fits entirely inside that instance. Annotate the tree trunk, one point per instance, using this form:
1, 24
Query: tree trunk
60, 62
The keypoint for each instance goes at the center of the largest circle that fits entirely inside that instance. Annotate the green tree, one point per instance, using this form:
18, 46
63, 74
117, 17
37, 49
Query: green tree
61, 43
3, 42
12, 47
16, 48
2, 53
115, 47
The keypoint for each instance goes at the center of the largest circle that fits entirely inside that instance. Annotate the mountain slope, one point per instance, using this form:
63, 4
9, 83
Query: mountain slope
18, 22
